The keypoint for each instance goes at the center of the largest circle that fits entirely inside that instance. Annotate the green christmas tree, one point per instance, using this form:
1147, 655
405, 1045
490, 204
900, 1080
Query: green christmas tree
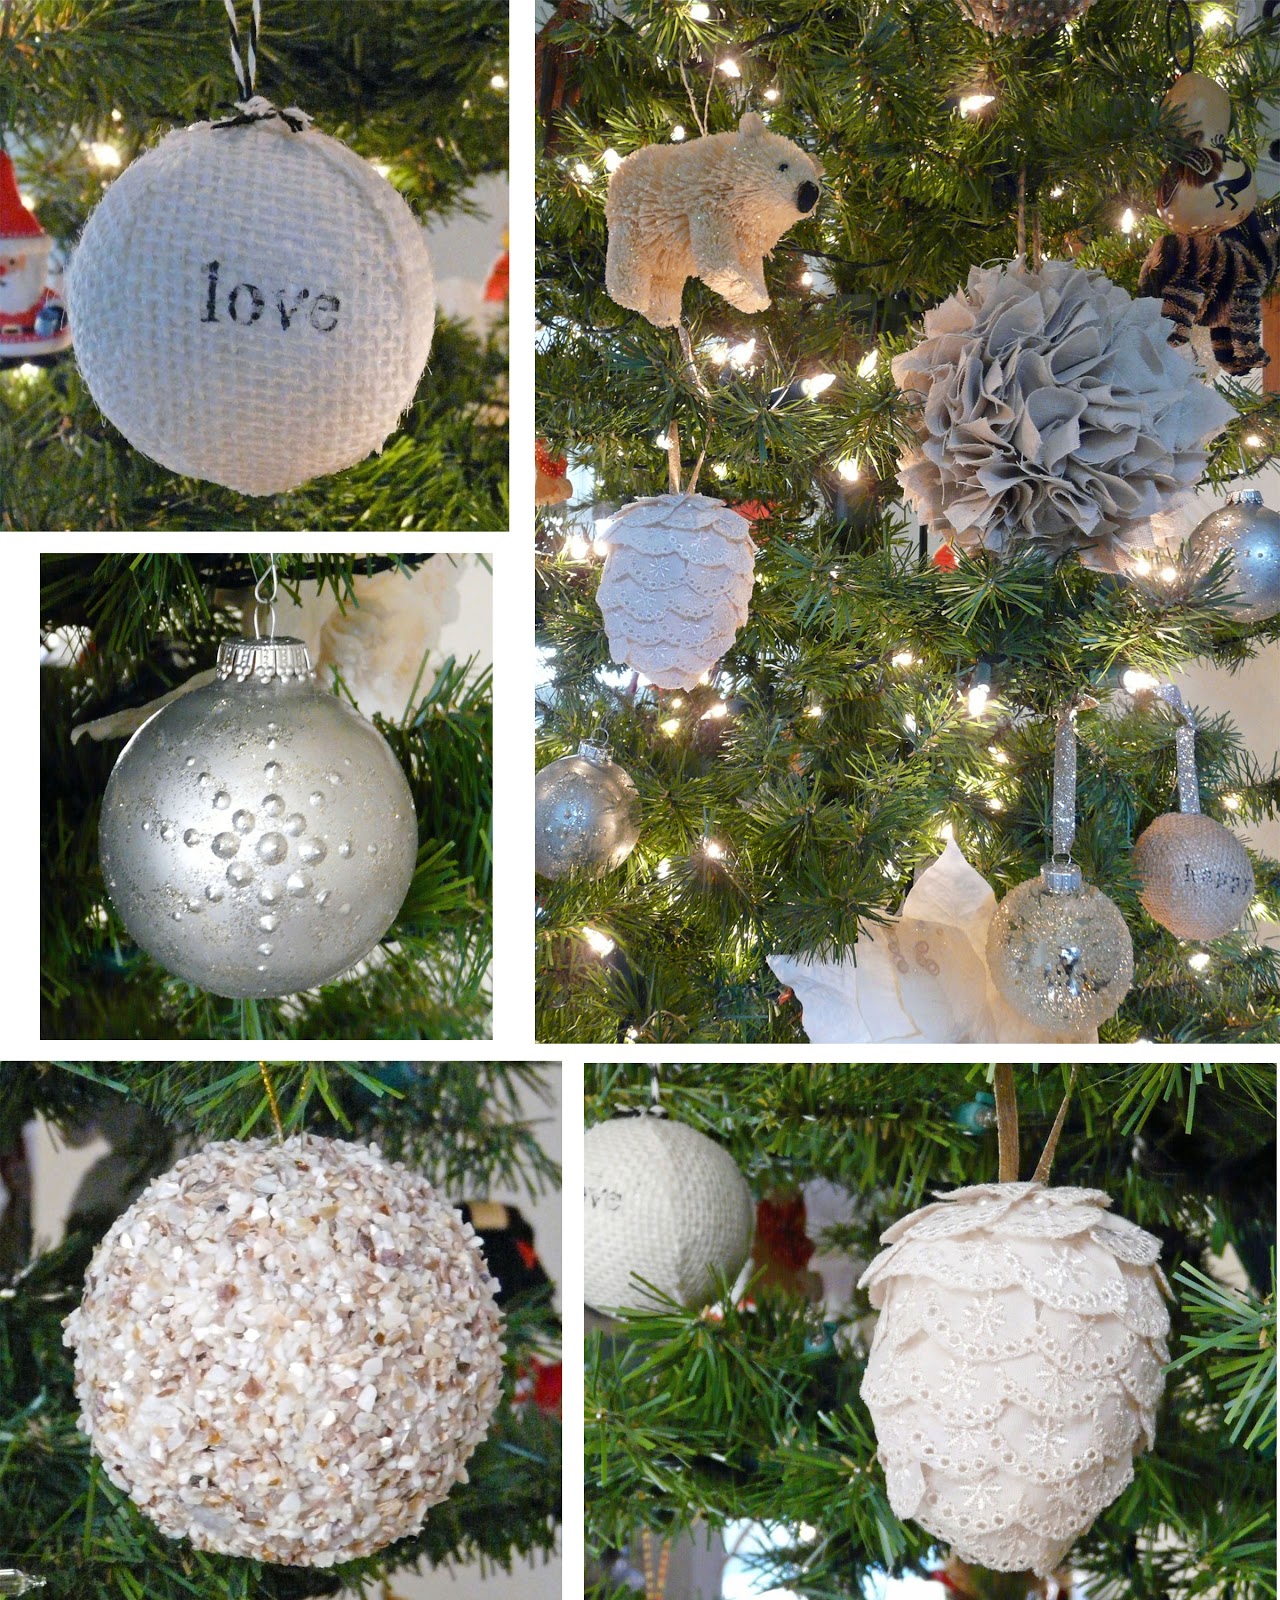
751, 1411
467, 1127
417, 86
138, 627
873, 699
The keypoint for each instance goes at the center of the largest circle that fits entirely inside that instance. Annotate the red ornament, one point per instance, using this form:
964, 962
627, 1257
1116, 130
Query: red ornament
945, 557
499, 284
33, 319
754, 510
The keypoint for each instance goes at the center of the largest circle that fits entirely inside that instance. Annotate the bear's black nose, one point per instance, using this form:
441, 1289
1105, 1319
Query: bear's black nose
807, 196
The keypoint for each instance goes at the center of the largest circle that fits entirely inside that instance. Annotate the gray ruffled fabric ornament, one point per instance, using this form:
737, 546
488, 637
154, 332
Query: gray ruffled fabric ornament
1052, 411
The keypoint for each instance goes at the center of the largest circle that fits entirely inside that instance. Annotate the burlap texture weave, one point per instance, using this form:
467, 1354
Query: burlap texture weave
1196, 876
252, 306
663, 1203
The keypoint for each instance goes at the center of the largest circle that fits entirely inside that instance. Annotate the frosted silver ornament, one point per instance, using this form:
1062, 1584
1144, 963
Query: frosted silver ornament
252, 304
1250, 533
663, 1203
586, 813
1023, 17
1059, 951
676, 584
287, 1351
257, 834
1016, 1366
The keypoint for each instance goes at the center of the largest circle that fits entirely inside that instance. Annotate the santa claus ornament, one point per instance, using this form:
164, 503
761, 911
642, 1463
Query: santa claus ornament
33, 321
1017, 1361
253, 302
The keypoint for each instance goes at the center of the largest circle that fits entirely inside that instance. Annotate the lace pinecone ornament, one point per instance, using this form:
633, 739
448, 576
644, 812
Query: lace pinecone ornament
1016, 1366
676, 585
1023, 17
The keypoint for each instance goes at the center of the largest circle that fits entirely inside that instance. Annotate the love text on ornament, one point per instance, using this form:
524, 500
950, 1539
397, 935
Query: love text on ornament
603, 1199
245, 303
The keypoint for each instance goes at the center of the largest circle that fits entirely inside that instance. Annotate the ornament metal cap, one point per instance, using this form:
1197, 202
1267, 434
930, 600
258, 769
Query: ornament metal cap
1062, 877
264, 659
1247, 497
597, 749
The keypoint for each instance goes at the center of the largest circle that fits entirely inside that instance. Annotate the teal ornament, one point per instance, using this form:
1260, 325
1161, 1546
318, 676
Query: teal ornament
978, 1115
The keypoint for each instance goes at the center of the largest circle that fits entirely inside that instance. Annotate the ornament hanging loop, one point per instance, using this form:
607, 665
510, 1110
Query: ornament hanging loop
673, 457
264, 599
1188, 45
1045, 1163
1064, 779
250, 105
1007, 1124
655, 1107
1185, 745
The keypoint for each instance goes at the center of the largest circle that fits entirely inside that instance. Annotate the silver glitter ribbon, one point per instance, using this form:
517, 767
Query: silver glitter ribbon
1185, 747
1064, 777
14, 1582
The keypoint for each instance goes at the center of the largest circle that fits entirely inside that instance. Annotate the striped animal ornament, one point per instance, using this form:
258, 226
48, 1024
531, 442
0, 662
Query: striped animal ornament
1216, 280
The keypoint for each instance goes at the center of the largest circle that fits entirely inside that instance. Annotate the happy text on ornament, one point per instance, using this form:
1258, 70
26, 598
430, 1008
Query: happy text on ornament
246, 302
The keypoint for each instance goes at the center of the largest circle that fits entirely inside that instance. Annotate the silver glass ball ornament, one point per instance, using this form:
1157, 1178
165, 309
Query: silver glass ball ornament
1196, 876
586, 813
1059, 951
257, 834
1250, 532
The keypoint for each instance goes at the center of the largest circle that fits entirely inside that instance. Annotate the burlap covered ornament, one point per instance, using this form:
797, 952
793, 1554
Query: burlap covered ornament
1051, 412
709, 208
921, 977
1023, 17
676, 585
664, 1204
1016, 1366
253, 303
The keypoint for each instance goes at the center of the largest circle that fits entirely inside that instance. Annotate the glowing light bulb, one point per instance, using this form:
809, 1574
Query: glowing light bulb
1168, 574
1253, 441
999, 756
904, 658
813, 711
670, 727
721, 469
867, 366
699, 11
497, 81
947, 833
381, 168
599, 548
1127, 220
1259, 911
601, 943
582, 172
116, 115
664, 867
848, 469
979, 694
818, 384
1142, 567
677, 702
909, 723
662, 440
713, 848
576, 547
715, 712
611, 160
677, 133
730, 68
28, 369
1135, 682
995, 803
772, 94
632, 1035
1056, 192
1214, 17
103, 155
971, 104
741, 355
1231, 802
806, 279
1199, 961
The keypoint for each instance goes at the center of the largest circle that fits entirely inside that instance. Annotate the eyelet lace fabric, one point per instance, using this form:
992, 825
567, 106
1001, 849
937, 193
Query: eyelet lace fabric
1016, 1366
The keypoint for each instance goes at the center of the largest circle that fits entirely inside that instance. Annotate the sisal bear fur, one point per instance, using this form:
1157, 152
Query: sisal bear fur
712, 209
1217, 280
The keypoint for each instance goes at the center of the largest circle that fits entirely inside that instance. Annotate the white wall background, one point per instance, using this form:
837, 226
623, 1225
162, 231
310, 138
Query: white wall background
57, 1170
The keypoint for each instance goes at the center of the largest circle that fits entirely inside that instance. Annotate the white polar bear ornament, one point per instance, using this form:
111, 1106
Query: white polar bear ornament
712, 209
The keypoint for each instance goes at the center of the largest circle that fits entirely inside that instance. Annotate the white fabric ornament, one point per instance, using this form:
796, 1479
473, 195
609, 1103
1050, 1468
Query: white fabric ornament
676, 585
922, 977
252, 305
287, 1351
1052, 411
665, 1204
1016, 1367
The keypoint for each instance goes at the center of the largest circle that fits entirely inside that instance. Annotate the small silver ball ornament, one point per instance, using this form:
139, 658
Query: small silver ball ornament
257, 834
1196, 876
1059, 951
586, 813
1250, 532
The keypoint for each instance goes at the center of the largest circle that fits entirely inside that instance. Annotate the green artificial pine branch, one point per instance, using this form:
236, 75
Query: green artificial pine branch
459, 1122
751, 1410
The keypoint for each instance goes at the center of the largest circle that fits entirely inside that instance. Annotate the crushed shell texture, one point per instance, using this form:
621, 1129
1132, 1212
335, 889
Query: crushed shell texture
1016, 1367
287, 1351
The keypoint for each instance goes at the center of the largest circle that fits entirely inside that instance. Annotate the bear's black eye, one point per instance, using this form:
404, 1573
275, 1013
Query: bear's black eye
784, 166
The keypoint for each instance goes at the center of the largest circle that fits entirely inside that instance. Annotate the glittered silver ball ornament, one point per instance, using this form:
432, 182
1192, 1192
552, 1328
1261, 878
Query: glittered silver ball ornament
586, 813
257, 834
1250, 533
287, 1351
1196, 876
665, 1204
253, 304
1059, 951
1023, 17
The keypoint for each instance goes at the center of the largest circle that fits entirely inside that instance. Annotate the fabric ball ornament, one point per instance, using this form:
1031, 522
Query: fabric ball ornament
1023, 17
710, 208
1059, 951
676, 585
586, 814
664, 1204
252, 305
1051, 411
1016, 1367
257, 835
1196, 876
287, 1351
1249, 533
